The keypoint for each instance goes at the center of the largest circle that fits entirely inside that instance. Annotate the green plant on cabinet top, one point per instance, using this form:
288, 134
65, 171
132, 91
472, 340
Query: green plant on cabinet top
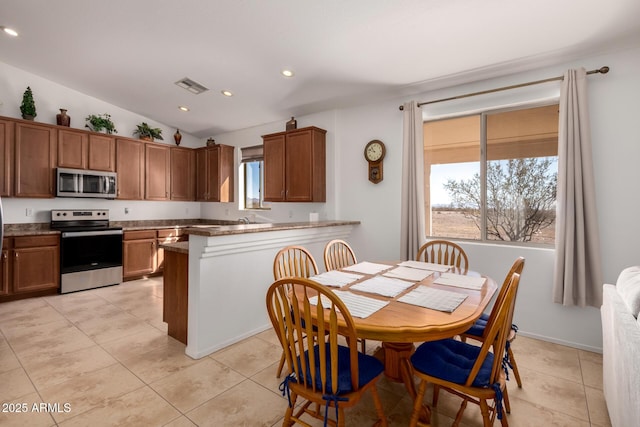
28, 106
144, 131
100, 122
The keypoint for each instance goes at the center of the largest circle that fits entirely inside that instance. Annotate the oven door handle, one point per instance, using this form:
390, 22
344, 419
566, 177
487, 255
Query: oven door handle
90, 233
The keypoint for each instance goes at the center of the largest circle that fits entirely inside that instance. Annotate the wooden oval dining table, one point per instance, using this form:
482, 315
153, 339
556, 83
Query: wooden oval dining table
399, 325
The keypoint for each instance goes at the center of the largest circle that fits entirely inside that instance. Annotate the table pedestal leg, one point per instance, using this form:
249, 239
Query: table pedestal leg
394, 353
397, 367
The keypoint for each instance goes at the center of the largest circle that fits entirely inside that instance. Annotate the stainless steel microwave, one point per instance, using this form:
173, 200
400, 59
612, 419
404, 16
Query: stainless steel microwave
86, 183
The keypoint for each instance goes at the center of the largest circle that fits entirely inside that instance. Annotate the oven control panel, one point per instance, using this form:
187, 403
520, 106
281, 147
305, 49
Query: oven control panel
79, 215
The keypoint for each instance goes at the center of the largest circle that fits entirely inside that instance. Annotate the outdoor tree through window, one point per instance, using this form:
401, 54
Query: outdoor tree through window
508, 193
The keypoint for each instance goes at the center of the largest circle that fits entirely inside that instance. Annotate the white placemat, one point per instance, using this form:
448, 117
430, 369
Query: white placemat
435, 299
385, 286
335, 278
367, 267
460, 281
408, 273
358, 305
425, 266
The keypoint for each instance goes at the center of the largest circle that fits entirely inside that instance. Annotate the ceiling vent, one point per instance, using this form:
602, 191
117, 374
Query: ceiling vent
191, 86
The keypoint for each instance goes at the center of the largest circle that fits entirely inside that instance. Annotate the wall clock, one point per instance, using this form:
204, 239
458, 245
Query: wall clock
374, 153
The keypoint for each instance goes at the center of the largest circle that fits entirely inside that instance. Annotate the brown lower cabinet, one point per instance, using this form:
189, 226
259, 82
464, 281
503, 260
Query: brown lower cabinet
141, 254
30, 266
138, 253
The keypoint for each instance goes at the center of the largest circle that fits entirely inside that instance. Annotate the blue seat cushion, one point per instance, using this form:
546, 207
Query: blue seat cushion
368, 368
451, 361
479, 326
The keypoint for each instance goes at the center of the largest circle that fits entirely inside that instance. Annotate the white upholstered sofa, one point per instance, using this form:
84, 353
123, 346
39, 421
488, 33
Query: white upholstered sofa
621, 348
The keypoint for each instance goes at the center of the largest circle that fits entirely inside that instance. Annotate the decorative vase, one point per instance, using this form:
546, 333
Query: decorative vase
62, 119
292, 124
146, 138
27, 117
177, 137
211, 142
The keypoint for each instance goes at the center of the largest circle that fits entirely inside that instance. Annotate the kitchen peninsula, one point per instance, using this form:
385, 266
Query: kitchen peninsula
215, 283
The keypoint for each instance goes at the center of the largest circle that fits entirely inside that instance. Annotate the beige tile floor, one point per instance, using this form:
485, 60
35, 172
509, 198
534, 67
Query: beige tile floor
104, 358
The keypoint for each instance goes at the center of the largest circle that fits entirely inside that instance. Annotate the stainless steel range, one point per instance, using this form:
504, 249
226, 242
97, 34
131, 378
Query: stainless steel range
90, 249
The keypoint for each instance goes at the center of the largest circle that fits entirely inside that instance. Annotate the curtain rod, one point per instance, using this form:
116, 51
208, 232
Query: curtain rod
602, 70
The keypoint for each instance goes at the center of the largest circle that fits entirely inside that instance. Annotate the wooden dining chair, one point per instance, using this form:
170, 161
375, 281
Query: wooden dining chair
474, 373
479, 328
338, 254
443, 252
320, 371
293, 261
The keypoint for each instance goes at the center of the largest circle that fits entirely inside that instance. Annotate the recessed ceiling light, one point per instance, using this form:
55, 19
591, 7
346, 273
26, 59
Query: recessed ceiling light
287, 73
10, 31
226, 93
183, 108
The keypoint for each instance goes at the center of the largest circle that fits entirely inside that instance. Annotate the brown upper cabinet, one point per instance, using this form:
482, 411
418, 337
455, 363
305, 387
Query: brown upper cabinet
83, 150
35, 159
130, 168
73, 148
158, 171
6, 156
215, 171
295, 165
183, 174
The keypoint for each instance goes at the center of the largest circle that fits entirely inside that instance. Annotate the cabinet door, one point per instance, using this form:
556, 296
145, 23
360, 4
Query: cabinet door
213, 195
138, 257
4, 272
102, 153
274, 170
202, 181
72, 149
298, 170
35, 160
158, 171
26, 278
6, 157
225, 168
130, 168
183, 162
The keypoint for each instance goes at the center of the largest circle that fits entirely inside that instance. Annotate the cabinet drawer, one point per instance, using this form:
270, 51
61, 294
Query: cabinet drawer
36, 241
139, 234
170, 232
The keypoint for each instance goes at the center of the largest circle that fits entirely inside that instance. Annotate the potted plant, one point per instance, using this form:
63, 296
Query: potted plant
100, 122
28, 106
144, 131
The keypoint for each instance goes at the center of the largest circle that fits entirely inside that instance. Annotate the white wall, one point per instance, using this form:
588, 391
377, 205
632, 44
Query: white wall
49, 98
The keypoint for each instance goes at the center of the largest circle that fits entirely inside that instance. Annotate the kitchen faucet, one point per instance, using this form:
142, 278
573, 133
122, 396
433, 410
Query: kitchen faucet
243, 220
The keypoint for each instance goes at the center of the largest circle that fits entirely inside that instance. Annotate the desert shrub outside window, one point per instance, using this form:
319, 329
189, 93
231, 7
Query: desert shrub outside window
492, 176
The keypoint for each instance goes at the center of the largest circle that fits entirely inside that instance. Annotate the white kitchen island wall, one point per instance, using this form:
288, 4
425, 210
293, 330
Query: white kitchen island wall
228, 280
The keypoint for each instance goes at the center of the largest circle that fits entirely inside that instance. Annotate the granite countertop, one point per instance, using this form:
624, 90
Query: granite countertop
169, 223
225, 230
191, 226
38, 228
28, 229
180, 247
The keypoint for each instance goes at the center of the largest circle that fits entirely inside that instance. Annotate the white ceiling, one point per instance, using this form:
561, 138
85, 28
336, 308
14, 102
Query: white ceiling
344, 52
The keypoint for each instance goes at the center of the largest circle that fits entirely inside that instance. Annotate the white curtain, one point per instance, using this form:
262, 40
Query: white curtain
578, 272
412, 222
